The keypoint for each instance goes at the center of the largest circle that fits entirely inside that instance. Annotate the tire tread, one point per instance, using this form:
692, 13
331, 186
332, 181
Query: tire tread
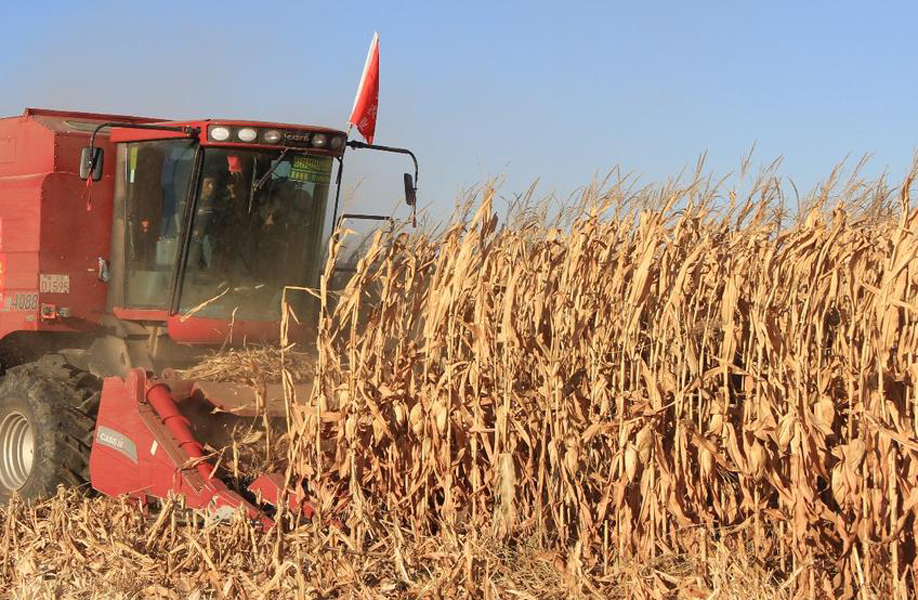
63, 402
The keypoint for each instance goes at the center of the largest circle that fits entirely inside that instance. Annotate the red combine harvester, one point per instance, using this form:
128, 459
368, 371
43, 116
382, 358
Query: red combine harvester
129, 246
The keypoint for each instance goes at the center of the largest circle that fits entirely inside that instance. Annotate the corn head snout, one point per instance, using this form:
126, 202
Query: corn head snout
146, 447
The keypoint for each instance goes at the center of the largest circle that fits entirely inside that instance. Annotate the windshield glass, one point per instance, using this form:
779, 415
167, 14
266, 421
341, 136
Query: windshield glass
257, 227
153, 189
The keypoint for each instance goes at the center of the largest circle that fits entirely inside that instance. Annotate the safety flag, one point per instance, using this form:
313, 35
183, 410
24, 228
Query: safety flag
363, 116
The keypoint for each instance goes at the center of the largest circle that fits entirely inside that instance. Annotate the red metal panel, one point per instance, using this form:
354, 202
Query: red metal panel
73, 114
67, 149
196, 330
121, 134
32, 143
207, 331
266, 124
141, 314
7, 149
20, 207
126, 134
46, 228
72, 240
114, 468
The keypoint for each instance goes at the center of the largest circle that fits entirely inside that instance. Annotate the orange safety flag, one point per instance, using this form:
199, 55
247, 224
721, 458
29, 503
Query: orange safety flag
363, 116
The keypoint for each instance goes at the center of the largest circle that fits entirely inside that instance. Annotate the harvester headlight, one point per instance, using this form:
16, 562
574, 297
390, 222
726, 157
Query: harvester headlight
272, 136
319, 140
247, 134
219, 134
336, 142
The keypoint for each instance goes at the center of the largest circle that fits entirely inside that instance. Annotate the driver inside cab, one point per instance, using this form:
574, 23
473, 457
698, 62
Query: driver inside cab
219, 220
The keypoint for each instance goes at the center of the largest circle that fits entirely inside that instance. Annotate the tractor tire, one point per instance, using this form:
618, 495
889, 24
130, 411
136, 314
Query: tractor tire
47, 417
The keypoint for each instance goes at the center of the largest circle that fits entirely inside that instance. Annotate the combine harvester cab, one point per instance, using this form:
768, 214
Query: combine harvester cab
129, 247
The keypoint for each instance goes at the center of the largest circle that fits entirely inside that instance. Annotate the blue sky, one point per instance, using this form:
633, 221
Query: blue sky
560, 91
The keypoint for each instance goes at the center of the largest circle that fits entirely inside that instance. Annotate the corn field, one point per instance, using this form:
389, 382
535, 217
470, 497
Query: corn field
658, 368
683, 390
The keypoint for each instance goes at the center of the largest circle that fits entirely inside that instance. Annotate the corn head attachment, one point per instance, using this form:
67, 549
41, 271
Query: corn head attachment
146, 446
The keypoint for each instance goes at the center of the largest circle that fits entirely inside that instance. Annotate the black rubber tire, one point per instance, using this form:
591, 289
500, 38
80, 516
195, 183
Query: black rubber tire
60, 403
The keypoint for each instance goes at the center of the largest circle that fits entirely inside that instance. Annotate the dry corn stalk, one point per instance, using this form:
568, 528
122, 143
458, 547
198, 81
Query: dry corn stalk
654, 363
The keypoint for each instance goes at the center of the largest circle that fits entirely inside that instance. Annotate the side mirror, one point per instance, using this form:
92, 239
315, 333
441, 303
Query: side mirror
91, 160
410, 191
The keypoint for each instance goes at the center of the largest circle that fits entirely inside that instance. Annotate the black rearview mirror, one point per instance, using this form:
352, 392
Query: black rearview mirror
410, 190
91, 158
